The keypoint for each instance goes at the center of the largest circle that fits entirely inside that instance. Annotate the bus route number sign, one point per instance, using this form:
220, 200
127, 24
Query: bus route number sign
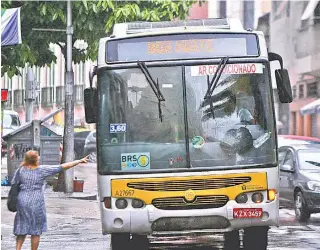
118, 128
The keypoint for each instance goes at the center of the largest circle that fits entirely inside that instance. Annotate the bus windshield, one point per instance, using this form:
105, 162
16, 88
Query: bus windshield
231, 127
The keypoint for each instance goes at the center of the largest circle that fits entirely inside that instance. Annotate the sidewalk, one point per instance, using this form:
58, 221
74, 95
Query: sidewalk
83, 172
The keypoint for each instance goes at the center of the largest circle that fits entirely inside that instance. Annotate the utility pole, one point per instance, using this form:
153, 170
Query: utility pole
68, 138
30, 95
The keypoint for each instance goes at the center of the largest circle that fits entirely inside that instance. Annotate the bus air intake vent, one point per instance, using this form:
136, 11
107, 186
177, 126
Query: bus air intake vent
200, 202
184, 185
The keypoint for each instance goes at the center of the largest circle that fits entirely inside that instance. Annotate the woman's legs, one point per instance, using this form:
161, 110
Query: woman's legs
35, 240
20, 240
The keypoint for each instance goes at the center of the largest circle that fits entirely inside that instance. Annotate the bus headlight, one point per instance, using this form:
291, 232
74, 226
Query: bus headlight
137, 203
257, 197
242, 198
121, 203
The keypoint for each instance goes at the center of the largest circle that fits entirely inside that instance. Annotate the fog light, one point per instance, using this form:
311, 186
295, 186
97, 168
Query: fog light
107, 202
137, 203
272, 194
257, 197
121, 203
242, 198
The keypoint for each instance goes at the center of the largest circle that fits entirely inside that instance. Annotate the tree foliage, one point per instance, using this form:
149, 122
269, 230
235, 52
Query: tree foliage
91, 21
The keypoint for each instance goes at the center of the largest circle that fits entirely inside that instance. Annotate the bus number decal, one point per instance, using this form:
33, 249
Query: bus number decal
122, 193
118, 127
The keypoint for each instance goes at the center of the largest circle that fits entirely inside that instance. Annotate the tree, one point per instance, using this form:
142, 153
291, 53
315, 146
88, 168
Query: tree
91, 21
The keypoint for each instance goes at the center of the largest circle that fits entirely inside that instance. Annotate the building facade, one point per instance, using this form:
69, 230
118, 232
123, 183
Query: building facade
51, 93
294, 34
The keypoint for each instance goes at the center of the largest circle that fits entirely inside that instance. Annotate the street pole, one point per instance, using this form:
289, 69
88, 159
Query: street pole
30, 95
68, 138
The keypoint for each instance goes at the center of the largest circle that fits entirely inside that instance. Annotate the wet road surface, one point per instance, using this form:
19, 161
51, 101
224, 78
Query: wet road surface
75, 224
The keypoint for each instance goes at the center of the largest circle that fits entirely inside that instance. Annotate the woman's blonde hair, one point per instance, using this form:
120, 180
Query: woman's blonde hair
30, 158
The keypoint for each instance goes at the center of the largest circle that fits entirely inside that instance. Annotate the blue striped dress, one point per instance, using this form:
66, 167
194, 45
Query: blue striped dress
31, 218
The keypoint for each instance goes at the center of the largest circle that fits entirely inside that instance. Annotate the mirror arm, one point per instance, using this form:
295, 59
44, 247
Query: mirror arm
275, 57
91, 75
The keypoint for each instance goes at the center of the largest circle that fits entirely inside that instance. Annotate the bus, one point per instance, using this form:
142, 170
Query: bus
186, 132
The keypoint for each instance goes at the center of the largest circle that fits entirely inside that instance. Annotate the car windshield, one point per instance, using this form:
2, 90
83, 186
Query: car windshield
309, 159
231, 127
10, 121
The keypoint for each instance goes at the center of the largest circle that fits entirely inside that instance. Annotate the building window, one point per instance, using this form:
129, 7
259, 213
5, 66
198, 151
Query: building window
305, 23
18, 98
280, 9
223, 8
47, 96
294, 123
316, 14
312, 89
301, 91
294, 92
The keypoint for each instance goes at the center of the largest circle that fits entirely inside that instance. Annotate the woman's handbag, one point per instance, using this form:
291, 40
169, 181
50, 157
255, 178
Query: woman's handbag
13, 194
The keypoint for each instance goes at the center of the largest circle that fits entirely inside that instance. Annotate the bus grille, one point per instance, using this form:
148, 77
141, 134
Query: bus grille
184, 185
200, 202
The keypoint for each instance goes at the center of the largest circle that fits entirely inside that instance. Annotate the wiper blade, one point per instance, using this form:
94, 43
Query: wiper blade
214, 81
154, 85
314, 163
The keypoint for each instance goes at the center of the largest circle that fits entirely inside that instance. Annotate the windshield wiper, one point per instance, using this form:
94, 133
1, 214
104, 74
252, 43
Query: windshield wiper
154, 85
214, 81
314, 163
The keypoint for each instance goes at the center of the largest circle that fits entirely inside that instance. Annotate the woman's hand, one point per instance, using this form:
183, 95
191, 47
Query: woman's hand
85, 159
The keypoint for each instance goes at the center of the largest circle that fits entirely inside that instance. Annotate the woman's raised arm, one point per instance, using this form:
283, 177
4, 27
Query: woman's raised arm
72, 164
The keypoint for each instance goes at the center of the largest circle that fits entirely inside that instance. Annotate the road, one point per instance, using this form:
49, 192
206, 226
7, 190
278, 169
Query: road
75, 224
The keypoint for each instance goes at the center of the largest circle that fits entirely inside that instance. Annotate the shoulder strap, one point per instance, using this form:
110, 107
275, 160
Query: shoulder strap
18, 174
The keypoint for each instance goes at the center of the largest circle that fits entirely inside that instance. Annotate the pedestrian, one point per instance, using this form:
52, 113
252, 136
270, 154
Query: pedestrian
31, 216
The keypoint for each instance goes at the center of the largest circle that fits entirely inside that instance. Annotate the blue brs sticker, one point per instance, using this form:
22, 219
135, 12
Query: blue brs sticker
135, 161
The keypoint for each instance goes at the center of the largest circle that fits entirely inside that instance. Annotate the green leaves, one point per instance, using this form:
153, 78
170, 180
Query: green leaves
92, 20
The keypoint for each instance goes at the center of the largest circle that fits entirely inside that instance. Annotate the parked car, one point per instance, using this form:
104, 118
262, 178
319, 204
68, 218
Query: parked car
79, 141
90, 147
300, 179
11, 122
285, 140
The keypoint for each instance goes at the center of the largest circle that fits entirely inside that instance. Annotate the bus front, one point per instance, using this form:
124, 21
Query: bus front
186, 137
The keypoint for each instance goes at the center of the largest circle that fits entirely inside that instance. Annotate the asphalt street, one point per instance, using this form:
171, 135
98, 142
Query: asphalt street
75, 224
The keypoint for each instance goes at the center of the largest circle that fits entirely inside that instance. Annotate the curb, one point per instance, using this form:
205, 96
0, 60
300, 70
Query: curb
50, 194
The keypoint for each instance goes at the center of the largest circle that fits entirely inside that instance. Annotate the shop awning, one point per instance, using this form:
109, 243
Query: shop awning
308, 12
311, 108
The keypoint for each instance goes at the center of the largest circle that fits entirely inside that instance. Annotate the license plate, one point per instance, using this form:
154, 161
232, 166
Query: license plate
247, 212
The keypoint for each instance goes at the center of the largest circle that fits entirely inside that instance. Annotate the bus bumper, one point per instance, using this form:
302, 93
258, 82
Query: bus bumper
150, 220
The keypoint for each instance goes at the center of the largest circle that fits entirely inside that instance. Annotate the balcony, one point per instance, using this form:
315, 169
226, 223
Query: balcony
47, 96
60, 96
18, 98
8, 104
77, 95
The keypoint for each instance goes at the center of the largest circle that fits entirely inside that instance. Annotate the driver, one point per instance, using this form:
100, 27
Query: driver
244, 105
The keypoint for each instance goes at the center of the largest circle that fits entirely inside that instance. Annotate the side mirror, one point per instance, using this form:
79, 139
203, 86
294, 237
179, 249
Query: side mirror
286, 168
283, 86
282, 78
91, 104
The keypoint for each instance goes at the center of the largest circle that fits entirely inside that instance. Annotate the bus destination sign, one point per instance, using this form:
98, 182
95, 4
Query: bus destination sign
175, 47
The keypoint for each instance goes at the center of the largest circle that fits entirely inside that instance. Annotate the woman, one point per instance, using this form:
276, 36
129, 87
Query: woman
31, 216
